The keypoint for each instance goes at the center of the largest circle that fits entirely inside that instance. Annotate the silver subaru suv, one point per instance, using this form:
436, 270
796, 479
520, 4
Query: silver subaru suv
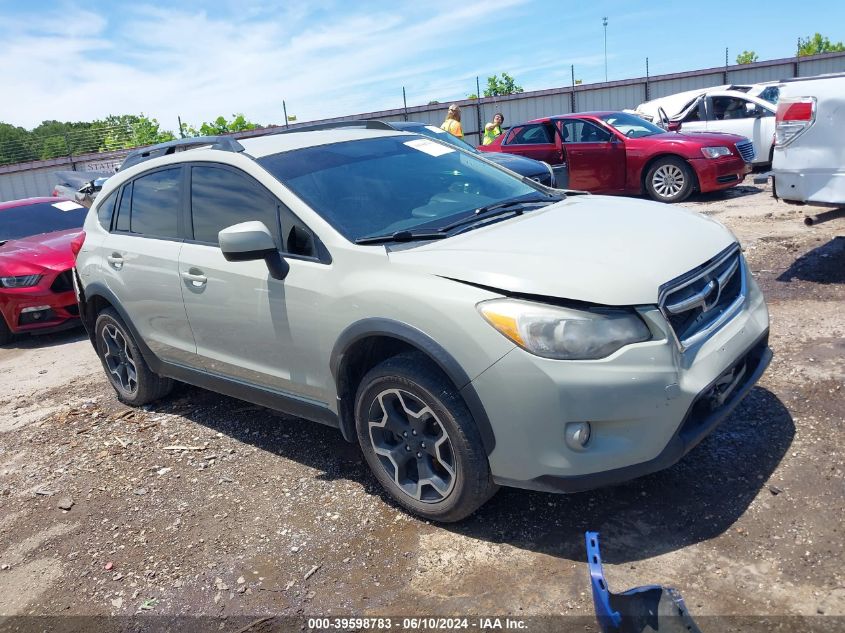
467, 327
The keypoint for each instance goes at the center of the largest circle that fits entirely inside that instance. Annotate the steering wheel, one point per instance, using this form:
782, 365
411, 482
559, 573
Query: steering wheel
664, 119
630, 133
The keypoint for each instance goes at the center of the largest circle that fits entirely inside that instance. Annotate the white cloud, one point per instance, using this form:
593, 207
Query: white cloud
167, 62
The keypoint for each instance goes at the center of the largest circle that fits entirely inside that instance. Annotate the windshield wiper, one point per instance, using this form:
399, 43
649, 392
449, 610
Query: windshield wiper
401, 236
499, 208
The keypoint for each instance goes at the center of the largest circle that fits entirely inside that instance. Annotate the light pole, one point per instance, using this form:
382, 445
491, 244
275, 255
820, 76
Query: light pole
604, 24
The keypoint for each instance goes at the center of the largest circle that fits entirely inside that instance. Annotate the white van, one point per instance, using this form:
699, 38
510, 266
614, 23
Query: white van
809, 156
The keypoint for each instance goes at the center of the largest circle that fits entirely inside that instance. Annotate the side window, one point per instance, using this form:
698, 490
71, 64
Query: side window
532, 135
695, 112
221, 198
512, 135
122, 222
105, 210
592, 133
156, 203
567, 130
578, 131
726, 108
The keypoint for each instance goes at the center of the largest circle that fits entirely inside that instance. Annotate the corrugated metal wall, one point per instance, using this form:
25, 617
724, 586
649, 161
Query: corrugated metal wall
29, 183
19, 181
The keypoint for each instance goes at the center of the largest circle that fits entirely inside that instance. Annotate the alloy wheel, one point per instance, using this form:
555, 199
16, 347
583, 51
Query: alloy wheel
668, 180
412, 445
119, 360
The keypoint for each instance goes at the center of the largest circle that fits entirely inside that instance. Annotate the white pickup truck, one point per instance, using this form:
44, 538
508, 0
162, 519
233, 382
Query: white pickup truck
809, 155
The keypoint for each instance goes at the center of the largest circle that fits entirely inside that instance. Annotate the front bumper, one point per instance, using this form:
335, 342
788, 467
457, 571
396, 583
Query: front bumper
648, 404
39, 308
719, 173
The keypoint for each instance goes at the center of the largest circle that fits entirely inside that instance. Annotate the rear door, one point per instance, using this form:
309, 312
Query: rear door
248, 325
534, 140
595, 156
142, 255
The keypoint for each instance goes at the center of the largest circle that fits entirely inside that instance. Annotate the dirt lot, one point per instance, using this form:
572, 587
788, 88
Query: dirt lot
258, 513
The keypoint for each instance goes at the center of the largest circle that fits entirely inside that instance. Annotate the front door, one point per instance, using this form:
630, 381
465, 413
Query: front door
248, 325
595, 156
534, 140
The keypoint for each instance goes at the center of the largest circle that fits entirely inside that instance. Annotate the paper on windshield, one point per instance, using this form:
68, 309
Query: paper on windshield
429, 147
435, 129
67, 205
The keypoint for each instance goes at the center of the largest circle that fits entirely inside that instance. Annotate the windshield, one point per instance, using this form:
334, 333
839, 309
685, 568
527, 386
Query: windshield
631, 125
44, 217
389, 184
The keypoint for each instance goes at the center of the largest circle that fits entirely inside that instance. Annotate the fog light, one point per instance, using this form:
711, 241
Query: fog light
577, 435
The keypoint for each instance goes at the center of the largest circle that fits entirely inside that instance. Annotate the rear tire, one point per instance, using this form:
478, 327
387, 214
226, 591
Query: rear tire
133, 381
420, 441
669, 179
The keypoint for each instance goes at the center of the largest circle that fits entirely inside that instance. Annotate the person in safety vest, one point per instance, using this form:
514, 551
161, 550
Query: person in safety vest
494, 129
452, 124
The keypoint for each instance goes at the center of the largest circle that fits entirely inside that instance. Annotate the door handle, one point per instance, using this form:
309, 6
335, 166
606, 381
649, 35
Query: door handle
197, 280
115, 260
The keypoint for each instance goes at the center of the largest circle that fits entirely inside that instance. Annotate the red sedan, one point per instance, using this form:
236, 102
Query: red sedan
36, 283
619, 153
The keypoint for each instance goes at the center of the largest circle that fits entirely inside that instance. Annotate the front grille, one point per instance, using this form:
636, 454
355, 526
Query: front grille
746, 150
724, 179
699, 302
63, 282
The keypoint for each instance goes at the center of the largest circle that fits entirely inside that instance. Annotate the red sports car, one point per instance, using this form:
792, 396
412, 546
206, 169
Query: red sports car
36, 283
620, 153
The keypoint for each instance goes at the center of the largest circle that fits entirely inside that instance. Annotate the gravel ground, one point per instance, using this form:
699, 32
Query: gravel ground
205, 505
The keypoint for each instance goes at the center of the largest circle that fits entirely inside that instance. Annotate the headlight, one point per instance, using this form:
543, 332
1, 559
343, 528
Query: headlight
564, 333
20, 282
715, 152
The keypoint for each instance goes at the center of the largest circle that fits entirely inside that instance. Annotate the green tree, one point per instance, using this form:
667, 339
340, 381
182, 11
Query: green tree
15, 145
499, 87
818, 44
127, 131
220, 125
746, 57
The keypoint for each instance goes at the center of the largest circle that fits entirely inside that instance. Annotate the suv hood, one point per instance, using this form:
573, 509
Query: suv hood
597, 249
33, 255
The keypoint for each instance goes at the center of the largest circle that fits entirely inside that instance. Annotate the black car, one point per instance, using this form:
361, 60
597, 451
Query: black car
534, 169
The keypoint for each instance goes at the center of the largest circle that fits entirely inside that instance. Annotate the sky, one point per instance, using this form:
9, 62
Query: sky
73, 61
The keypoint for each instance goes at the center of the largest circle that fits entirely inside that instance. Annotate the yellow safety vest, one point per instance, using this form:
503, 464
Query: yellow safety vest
490, 135
453, 127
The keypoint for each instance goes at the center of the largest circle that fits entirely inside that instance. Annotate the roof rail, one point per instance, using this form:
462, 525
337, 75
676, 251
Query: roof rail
367, 124
224, 143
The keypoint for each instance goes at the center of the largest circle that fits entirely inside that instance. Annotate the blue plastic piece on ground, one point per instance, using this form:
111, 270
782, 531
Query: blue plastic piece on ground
638, 610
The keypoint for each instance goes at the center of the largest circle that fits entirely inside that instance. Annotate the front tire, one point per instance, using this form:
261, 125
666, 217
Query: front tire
420, 441
669, 179
128, 373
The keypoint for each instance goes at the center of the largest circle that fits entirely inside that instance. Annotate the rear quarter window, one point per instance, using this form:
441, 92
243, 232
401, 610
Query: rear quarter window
105, 210
156, 202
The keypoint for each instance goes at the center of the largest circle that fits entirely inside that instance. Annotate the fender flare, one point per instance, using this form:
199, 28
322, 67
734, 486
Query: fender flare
426, 344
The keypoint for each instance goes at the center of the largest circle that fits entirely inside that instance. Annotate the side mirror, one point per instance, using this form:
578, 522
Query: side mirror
249, 241
674, 126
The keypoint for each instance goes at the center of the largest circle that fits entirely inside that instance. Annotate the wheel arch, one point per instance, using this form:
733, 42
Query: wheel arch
364, 344
647, 166
93, 300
